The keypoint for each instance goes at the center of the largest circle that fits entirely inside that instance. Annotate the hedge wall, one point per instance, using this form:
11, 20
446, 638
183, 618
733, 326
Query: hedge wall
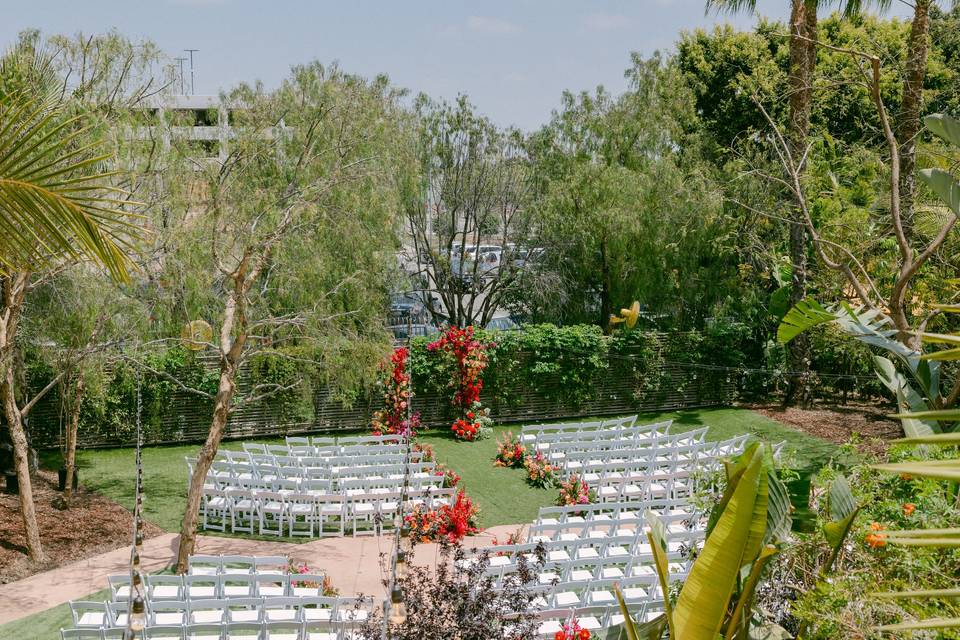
541, 372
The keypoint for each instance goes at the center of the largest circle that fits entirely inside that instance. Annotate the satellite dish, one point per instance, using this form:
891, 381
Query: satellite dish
627, 316
196, 335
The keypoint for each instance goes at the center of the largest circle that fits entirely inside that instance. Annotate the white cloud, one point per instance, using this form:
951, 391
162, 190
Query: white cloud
606, 21
497, 26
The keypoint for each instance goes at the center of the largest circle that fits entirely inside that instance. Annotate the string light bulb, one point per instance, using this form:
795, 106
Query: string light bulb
398, 610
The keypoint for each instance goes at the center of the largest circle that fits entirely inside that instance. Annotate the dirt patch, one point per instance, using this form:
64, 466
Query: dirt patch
867, 424
93, 525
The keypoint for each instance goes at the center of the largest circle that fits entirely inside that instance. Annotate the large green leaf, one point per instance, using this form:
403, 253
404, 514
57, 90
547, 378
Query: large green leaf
945, 127
739, 623
657, 536
55, 197
735, 541
931, 623
944, 439
944, 185
779, 520
924, 469
843, 511
805, 315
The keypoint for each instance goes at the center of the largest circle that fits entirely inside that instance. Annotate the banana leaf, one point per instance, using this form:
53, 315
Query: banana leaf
650, 630
736, 541
924, 469
843, 511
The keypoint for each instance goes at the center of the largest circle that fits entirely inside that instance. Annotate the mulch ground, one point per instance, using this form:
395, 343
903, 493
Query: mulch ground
93, 525
868, 425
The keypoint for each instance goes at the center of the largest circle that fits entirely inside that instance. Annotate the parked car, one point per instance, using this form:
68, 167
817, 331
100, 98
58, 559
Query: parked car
504, 323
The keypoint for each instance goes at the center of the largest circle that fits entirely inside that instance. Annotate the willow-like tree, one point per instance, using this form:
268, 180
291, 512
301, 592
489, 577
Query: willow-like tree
283, 240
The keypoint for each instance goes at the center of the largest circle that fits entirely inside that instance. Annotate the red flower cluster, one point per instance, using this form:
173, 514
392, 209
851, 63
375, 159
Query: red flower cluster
510, 452
573, 631
395, 381
465, 430
470, 359
452, 522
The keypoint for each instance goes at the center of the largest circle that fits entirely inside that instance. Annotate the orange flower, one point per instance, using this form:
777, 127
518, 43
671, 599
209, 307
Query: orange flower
906, 476
876, 540
909, 508
560, 635
876, 526
584, 634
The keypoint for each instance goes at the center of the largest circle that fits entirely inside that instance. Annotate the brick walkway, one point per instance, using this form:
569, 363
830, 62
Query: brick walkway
354, 565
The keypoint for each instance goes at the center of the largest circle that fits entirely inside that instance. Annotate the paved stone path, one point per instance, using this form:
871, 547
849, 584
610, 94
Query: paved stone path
354, 565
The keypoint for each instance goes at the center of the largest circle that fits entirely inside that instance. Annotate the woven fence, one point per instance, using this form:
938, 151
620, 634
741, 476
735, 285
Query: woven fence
623, 388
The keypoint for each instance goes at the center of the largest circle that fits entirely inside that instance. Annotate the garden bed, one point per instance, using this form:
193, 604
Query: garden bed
868, 425
94, 524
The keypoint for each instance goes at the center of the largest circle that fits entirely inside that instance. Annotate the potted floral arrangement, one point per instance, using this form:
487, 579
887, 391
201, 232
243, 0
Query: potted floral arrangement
449, 522
573, 631
540, 473
394, 382
302, 568
573, 491
510, 452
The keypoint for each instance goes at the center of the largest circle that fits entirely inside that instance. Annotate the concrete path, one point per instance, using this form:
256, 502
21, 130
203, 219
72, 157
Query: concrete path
354, 564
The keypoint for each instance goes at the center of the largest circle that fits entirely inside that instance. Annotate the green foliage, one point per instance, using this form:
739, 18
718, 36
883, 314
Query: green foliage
290, 370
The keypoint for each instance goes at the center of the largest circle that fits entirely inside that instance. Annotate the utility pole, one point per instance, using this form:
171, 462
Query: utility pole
180, 61
191, 52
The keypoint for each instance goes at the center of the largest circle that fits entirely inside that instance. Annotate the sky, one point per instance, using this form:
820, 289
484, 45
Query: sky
513, 58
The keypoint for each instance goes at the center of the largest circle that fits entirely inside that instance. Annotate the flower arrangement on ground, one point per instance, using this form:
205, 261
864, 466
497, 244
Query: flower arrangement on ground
540, 473
302, 568
573, 631
394, 382
510, 451
450, 477
450, 522
574, 491
469, 357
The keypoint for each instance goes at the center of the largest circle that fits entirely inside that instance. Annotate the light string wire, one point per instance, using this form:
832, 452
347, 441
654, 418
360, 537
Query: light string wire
394, 609
136, 610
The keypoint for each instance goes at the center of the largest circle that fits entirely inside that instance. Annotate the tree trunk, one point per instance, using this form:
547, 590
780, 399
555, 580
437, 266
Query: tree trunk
909, 121
606, 305
70, 458
221, 411
14, 288
803, 52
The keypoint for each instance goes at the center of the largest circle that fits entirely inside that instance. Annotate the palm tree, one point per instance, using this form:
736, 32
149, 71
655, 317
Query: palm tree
55, 198
56, 205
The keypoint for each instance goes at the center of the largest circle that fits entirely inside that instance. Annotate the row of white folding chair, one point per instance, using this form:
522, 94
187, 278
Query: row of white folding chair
622, 458
549, 440
530, 432
640, 563
625, 524
555, 551
420, 475
312, 630
101, 615
645, 440
225, 585
674, 483
251, 463
608, 511
210, 564
302, 514
597, 618
293, 478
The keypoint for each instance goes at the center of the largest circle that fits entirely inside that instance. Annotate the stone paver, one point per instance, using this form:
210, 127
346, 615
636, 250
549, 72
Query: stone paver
355, 565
